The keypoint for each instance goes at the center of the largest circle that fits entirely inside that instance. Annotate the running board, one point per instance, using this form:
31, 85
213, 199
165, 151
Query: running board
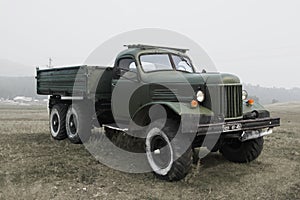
115, 127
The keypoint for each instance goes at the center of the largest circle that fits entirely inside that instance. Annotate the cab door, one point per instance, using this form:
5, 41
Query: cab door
125, 83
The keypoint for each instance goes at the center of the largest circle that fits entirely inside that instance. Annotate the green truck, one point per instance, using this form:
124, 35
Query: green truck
198, 108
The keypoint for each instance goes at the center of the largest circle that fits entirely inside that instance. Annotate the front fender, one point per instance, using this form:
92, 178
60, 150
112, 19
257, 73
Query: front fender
181, 108
178, 108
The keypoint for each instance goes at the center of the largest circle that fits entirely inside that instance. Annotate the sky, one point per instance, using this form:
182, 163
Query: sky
256, 39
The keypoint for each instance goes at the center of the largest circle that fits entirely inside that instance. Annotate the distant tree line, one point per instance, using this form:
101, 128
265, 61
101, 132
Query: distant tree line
272, 95
11, 87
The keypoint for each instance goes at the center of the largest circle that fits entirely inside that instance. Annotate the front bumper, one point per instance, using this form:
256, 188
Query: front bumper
240, 129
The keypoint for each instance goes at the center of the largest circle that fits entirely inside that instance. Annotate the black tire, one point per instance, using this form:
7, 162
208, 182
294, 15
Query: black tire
214, 149
78, 123
57, 121
174, 160
243, 152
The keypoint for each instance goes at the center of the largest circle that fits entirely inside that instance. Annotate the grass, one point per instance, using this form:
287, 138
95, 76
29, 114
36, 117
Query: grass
34, 166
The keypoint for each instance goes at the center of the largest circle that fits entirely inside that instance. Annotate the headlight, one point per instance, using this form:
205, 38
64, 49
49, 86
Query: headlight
200, 96
244, 95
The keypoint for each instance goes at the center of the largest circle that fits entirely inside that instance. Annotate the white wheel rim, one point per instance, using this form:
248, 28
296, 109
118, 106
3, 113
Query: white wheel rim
71, 112
54, 113
157, 169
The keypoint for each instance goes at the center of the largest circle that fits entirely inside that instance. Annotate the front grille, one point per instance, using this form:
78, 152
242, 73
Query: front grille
225, 100
233, 101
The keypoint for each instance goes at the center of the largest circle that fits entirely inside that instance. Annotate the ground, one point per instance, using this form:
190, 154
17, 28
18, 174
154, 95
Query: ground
34, 166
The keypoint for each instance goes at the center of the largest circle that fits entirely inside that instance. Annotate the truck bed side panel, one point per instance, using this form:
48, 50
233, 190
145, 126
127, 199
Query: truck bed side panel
85, 81
60, 81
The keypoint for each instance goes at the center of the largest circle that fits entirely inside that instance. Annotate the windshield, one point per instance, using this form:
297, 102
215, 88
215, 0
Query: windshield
162, 62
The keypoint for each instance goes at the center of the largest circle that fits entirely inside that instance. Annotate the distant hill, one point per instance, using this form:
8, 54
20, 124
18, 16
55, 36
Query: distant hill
11, 68
11, 87
272, 95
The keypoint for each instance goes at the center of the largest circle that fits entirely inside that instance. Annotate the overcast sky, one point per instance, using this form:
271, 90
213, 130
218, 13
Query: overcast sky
255, 39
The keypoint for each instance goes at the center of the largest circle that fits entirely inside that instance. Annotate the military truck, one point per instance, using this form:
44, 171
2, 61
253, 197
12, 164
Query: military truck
200, 108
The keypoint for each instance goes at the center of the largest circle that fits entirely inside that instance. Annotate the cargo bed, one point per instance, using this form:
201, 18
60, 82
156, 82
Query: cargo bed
75, 81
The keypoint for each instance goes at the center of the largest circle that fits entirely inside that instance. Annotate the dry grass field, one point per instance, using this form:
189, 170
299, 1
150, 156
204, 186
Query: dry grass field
34, 166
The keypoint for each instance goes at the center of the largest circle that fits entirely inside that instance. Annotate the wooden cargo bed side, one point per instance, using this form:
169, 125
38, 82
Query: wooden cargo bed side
78, 81
60, 81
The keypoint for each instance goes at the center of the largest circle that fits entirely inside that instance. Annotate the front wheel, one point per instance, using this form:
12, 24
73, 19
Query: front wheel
242, 152
78, 123
169, 157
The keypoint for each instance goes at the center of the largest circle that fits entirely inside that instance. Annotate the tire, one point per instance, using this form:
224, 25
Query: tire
57, 121
78, 123
165, 152
214, 149
243, 152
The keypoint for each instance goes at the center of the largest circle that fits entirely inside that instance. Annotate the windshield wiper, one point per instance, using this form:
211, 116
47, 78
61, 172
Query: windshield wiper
186, 61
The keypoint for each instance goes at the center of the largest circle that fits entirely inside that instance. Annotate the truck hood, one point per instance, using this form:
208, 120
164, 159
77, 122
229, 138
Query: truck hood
191, 78
220, 78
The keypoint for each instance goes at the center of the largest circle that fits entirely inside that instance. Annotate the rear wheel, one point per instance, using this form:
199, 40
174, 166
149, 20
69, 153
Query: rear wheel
58, 121
242, 152
165, 152
78, 123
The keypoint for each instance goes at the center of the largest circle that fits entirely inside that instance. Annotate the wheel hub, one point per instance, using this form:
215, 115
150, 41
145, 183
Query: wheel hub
72, 124
156, 152
55, 123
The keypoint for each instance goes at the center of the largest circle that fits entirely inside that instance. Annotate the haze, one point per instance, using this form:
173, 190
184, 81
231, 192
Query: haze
257, 40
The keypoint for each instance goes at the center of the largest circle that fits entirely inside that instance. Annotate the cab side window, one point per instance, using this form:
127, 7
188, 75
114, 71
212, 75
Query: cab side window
125, 65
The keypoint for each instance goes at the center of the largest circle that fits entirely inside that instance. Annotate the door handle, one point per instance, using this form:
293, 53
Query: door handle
113, 84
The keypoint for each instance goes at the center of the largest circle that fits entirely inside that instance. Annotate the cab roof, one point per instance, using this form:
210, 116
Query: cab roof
136, 49
143, 46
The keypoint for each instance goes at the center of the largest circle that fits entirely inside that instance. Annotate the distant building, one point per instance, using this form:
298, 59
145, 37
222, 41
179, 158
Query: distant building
22, 99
